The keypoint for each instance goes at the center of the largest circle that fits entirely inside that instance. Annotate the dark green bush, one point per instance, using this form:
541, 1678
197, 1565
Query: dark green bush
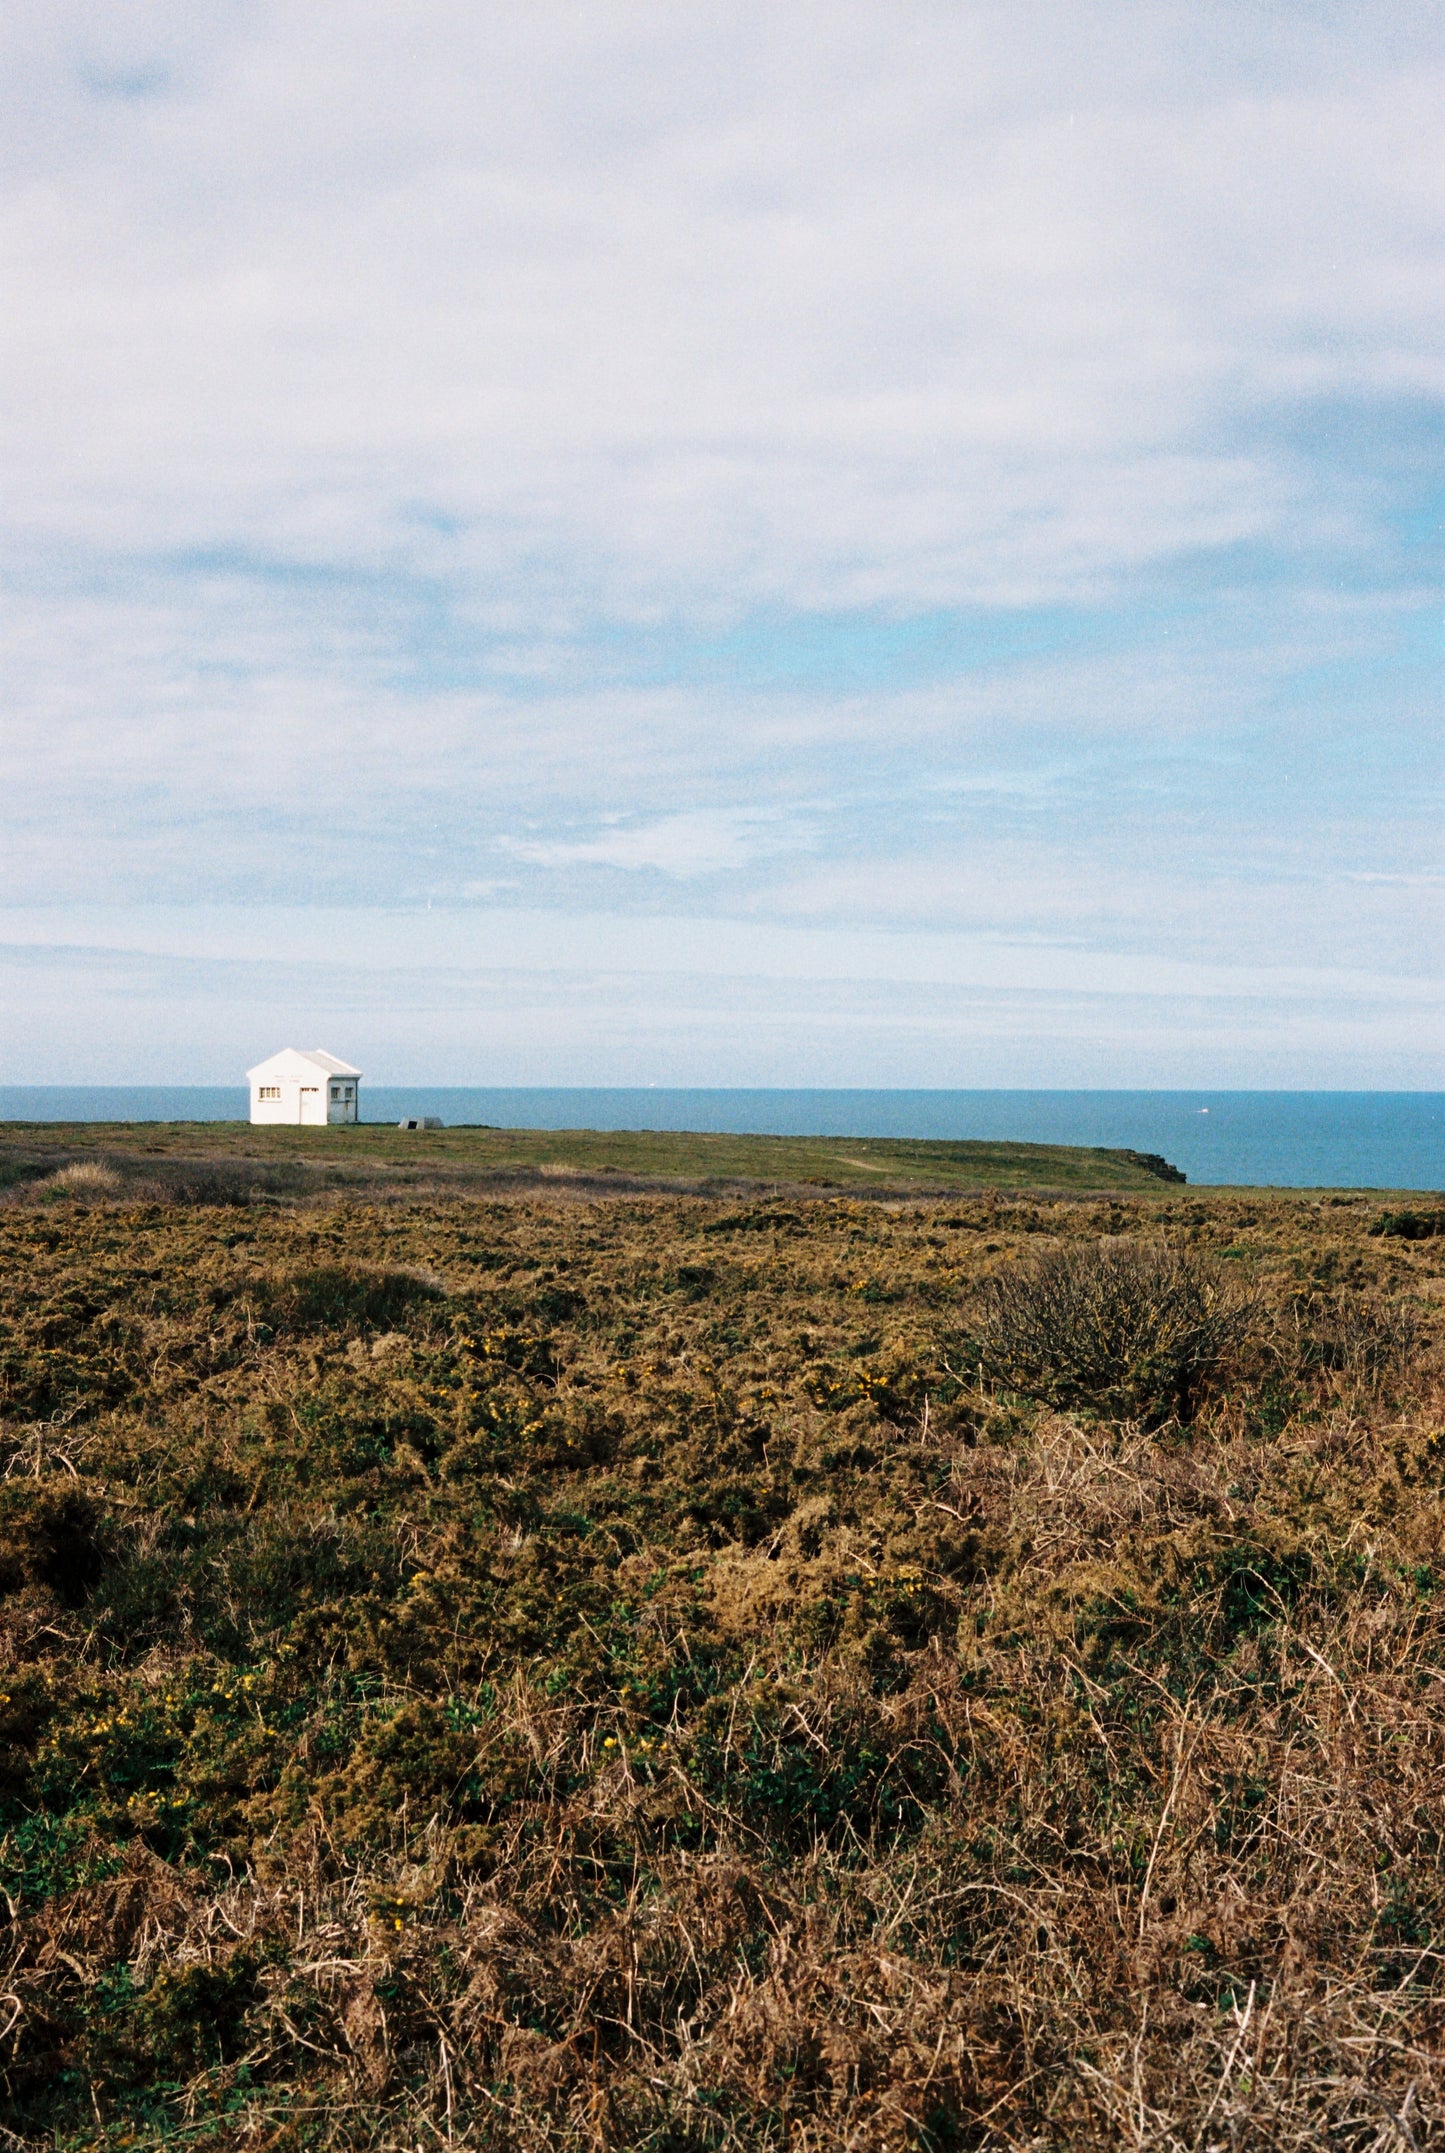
51, 1537
1410, 1225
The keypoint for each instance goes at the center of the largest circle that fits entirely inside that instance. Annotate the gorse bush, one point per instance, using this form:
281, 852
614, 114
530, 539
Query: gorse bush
333, 1297
1132, 1329
1410, 1225
1359, 1337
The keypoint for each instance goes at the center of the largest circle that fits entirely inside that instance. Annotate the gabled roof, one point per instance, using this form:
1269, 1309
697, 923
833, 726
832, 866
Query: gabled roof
301, 1064
330, 1063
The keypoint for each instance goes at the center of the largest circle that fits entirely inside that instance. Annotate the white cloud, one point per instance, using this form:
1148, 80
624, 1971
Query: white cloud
679, 845
636, 308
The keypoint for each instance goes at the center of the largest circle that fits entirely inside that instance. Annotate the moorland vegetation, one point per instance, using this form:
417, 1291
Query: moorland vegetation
691, 1673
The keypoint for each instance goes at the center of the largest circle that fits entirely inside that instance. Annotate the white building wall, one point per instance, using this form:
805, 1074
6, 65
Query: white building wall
285, 1107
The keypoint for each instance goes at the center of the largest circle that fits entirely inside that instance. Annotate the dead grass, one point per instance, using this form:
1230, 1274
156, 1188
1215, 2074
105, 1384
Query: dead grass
82, 1178
607, 1676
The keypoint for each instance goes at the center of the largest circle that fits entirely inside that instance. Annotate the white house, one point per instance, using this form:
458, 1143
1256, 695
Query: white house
312, 1088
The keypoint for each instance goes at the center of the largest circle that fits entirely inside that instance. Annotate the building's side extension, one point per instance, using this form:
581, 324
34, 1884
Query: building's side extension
305, 1089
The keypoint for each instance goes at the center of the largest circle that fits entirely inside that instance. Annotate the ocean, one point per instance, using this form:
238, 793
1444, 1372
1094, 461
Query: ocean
1281, 1139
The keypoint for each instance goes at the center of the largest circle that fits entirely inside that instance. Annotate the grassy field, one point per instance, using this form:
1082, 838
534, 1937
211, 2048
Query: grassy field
690, 1672
461, 1158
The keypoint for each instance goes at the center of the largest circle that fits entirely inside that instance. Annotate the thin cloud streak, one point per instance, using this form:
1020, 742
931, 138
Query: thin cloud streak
417, 1020
515, 939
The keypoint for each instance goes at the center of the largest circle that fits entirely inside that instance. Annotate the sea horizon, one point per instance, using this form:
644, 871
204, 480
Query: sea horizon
1273, 1138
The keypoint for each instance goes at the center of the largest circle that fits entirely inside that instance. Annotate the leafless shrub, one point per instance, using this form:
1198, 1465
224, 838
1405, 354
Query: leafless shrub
1130, 1329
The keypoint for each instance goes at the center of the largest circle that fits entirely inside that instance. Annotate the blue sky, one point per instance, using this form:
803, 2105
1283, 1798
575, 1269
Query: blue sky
838, 544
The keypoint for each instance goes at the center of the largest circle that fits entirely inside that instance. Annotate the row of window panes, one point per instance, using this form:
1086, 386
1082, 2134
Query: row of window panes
272, 1090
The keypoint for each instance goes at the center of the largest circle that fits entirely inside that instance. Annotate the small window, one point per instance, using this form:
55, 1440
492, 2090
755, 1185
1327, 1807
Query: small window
336, 1091
269, 1091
